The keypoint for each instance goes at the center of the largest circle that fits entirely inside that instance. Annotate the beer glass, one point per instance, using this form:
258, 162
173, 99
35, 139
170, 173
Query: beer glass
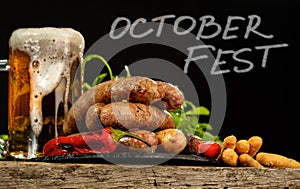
43, 78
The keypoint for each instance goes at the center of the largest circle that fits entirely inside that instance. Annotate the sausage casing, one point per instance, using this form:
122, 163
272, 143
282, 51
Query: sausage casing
128, 115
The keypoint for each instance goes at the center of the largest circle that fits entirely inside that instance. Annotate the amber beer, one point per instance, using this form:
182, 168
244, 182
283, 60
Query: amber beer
43, 79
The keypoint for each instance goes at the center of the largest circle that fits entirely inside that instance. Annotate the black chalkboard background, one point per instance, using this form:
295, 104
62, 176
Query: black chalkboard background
260, 102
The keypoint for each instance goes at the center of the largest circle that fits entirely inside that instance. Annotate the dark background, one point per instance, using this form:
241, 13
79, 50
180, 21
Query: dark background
261, 102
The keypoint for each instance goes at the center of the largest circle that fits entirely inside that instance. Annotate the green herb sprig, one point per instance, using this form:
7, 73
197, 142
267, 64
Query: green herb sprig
100, 77
187, 120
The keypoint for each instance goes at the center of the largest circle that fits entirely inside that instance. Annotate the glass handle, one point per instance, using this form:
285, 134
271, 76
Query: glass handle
4, 65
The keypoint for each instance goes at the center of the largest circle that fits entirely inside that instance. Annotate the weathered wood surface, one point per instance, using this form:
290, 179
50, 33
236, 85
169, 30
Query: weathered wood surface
15, 174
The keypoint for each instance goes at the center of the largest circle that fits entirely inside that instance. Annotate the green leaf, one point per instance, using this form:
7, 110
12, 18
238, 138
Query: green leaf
176, 117
208, 137
199, 133
198, 111
117, 134
187, 103
218, 140
86, 86
184, 123
4, 137
205, 126
193, 120
99, 79
90, 57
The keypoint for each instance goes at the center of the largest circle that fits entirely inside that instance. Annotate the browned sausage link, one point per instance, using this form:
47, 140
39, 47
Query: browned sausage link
172, 97
92, 120
132, 144
147, 91
127, 115
77, 111
135, 89
75, 118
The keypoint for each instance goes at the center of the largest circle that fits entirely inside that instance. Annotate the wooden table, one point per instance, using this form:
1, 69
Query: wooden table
18, 174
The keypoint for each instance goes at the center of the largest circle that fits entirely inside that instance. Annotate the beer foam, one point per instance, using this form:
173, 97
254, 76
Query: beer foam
52, 52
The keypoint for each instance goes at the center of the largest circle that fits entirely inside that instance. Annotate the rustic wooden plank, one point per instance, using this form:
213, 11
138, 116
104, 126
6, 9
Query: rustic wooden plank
18, 174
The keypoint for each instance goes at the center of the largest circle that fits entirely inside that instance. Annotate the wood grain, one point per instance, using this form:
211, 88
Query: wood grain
18, 174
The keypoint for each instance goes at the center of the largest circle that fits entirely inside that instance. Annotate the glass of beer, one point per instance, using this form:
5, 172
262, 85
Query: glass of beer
43, 79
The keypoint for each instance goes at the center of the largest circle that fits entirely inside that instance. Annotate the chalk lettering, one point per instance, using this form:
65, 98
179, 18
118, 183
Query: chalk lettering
190, 57
235, 57
133, 25
161, 23
218, 62
228, 28
186, 31
114, 26
267, 48
208, 29
252, 28
204, 23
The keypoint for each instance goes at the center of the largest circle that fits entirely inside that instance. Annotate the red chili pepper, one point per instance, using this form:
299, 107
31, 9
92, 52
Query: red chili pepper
210, 149
103, 141
90, 142
197, 146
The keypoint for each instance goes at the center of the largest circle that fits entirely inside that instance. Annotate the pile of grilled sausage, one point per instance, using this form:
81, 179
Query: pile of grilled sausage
99, 120
138, 105
125, 103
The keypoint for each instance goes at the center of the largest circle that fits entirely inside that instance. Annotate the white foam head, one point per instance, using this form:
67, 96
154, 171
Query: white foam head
52, 52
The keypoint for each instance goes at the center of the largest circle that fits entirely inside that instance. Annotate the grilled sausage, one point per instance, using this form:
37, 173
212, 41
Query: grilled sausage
170, 95
132, 144
92, 120
75, 118
128, 115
